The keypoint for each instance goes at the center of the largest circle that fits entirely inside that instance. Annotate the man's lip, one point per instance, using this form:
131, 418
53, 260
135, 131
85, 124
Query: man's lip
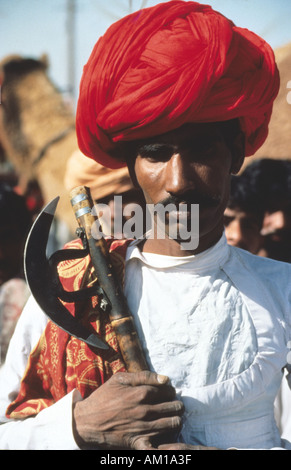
182, 210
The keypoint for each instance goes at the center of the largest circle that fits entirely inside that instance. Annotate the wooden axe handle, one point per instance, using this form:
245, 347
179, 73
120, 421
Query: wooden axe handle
119, 314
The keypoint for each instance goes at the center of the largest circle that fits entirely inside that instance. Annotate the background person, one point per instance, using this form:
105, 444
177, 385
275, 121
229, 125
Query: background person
16, 221
244, 215
258, 214
104, 184
273, 181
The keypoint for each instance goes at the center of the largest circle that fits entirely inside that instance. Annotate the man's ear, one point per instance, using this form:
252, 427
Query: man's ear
238, 153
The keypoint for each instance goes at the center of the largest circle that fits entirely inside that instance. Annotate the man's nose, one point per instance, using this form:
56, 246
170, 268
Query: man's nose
179, 175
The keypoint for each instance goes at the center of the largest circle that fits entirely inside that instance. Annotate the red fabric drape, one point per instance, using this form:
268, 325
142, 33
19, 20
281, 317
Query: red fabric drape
170, 64
60, 363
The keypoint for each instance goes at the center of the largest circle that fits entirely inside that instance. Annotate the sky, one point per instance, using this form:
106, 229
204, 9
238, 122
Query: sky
35, 27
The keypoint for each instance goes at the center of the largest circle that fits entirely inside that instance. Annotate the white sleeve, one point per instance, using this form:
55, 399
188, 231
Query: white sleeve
29, 328
283, 410
52, 427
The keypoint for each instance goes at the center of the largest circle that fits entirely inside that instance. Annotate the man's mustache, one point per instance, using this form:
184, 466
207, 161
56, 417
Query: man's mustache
192, 197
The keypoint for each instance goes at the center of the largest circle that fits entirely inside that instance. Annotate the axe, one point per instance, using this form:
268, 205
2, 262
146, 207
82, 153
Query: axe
43, 280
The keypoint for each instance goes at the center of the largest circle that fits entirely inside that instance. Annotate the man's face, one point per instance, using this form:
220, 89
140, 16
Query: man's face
277, 232
191, 165
243, 229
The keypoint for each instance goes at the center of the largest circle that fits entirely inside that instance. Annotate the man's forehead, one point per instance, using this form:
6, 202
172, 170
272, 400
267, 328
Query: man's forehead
236, 212
190, 130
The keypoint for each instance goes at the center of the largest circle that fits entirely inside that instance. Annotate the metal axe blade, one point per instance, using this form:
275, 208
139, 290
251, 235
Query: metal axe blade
41, 278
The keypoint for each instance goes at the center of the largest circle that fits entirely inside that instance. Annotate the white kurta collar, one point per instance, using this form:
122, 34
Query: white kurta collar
214, 256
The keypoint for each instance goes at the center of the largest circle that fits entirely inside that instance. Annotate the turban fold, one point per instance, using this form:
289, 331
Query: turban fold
174, 63
103, 182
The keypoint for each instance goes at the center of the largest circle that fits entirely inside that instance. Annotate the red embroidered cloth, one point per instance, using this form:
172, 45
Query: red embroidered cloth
60, 363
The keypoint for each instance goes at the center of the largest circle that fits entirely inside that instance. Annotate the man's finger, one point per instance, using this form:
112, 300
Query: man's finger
143, 443
141, 378
171, 408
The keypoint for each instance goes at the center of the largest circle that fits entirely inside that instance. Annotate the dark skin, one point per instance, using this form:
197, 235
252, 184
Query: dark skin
193, 164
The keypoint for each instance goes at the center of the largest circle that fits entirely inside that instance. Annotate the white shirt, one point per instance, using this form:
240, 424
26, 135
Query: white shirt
201, 332
209, 323
13, 296
50, 429
224, 350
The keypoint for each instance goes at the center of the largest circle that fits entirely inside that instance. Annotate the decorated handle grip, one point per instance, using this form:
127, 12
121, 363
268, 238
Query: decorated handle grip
120, 317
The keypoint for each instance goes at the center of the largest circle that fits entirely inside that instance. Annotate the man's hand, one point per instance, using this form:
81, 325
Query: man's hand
127, 411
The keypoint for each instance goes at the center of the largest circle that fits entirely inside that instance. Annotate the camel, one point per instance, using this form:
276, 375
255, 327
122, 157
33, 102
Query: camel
37, 129
37, 133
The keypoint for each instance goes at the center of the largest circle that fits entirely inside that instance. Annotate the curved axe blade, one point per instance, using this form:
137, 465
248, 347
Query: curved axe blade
42, 280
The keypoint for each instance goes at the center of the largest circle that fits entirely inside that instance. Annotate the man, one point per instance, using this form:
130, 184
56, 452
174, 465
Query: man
243, 216
272, 178
180, 94
258, 214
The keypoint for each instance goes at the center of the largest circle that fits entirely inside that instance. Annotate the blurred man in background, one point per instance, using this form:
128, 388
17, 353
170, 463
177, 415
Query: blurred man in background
244, 214
258, 215
15, 224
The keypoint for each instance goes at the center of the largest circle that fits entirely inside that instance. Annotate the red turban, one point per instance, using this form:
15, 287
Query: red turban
174, 63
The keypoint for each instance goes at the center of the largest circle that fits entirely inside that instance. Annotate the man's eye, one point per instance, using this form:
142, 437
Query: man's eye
210, 149
251, 225
227, 220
